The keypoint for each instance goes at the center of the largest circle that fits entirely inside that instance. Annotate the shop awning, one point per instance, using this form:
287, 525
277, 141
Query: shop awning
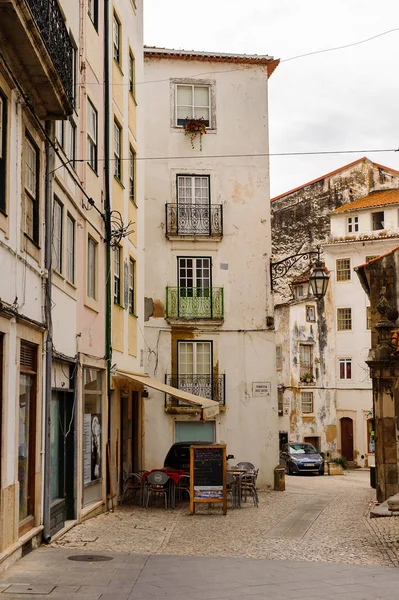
209, 408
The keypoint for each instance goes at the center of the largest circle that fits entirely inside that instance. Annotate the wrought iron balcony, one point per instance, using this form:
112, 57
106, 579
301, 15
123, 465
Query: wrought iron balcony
194, 219
39, 51
51, 25
194, 303
206, 386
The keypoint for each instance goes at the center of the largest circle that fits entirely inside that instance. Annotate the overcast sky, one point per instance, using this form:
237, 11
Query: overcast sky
342, 100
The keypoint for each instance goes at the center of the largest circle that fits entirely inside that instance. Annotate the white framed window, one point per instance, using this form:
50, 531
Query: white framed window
57, 235
70, 141
306, 361
352, 224
299, 291
193, 102
194, 274
345, 368
92, 268
92, 11
344, 319
279, 358
132, 74
116, 37
307, 402
343, 269
92, 133
195, 358
117, 150
70, 249
377, 220
131, 286
369, 258
117, 274
311, 313
31, 190
132, 174
193, 189
59, 133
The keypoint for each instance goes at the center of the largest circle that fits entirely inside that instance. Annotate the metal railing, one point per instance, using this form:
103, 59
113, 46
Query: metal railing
206, 386
51, 24
194, 303
194, 219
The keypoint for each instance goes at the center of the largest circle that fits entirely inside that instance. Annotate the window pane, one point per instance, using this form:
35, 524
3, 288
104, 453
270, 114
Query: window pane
184, 95
70, 249
201, 96
202, 113
183, 113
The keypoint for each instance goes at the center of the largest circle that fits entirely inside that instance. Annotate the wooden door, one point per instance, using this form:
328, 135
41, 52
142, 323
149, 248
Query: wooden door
347, 438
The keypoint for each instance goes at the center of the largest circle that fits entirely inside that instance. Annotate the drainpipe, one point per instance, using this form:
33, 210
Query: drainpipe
49, 345
107, 219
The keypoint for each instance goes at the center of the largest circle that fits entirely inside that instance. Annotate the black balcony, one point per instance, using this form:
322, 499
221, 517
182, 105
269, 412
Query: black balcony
194, 220
51, 24
206, 386
39, 52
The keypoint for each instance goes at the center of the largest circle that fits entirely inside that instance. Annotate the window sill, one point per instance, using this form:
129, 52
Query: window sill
132, 97
3, 212
92, 304
119, 181
133, 315
119, 66
36, 244
93, 169
133, 202
119, 305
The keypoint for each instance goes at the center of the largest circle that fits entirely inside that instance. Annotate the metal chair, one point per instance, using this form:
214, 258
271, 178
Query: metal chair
248, 486
158, 484
246, 465
131, 484
182, 487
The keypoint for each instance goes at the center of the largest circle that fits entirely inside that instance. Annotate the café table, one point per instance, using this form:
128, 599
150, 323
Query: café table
237, 473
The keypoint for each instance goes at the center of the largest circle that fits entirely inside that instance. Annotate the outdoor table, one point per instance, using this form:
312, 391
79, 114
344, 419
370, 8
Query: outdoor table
237, 473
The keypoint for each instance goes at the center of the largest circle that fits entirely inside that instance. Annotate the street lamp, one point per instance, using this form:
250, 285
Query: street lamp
318, 278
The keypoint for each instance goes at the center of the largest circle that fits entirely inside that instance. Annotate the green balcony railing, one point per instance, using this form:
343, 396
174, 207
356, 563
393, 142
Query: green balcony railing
194, 303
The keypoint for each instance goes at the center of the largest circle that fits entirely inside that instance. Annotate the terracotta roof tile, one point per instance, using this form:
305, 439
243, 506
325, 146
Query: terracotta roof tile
376, 198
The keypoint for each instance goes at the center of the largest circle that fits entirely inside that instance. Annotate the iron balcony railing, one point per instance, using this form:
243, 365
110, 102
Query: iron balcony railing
206, 386
194, 219
51, 24
194, 303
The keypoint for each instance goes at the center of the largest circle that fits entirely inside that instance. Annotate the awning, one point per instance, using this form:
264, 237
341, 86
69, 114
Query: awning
209, 408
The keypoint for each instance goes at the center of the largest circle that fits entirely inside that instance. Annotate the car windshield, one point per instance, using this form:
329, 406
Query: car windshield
302, 449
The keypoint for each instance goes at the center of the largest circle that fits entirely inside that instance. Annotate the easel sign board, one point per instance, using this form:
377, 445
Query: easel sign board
208, 475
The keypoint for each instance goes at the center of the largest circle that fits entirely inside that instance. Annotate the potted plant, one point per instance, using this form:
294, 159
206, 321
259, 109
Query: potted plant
337, 465
194, 127
307, 377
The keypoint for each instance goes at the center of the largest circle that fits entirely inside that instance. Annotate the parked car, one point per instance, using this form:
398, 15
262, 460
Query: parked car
301, 457
178, 456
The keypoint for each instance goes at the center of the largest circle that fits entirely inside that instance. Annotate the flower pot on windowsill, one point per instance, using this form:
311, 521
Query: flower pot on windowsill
194, 128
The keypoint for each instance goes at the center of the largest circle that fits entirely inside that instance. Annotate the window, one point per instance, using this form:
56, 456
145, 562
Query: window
311, 313
378, 220
92, 121
279, 358
193, 189
280, 402
117, 150
31, 190
131, 285
307, 402
298, 291
343, 266
344, 319
57, 235
345, 368
116, 39
27, 430
195, 368
194, 277
92, 11
306, 361
70, 249
369, 258
3, 151
352, 224
117, 275
132, 174
368, 317
70, 141
59, 133
91, 268
193, 102
132, 74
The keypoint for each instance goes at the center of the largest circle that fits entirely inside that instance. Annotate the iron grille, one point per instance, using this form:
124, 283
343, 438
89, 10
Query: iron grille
51, 25
206, 386
194, 219
194, 303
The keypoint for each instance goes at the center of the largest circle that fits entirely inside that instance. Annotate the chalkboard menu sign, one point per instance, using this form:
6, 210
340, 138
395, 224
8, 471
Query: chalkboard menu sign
208, 475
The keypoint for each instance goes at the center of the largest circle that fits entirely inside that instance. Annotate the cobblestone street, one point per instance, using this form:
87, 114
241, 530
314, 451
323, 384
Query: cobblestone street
322, 519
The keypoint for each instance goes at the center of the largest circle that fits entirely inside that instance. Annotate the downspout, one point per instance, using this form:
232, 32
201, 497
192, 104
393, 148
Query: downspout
48, 215
107, 219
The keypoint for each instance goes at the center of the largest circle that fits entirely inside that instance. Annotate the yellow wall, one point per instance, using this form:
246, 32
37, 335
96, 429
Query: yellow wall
132, 346
117, 326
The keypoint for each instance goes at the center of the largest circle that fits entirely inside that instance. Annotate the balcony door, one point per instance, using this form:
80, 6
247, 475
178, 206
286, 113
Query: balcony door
195, 368
194, 276
193, 205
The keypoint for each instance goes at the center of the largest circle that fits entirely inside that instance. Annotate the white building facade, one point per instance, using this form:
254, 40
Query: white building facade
209, 309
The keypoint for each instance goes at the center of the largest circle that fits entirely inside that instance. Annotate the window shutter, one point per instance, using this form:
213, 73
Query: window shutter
28, 358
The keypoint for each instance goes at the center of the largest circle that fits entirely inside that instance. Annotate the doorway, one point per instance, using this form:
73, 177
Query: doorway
314, 440
130, 442
347, 438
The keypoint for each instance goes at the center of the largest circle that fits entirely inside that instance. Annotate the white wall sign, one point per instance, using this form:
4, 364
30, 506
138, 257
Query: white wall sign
262, 388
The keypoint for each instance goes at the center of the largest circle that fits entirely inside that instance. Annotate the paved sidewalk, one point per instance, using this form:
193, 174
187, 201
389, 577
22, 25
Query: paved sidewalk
48, 573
